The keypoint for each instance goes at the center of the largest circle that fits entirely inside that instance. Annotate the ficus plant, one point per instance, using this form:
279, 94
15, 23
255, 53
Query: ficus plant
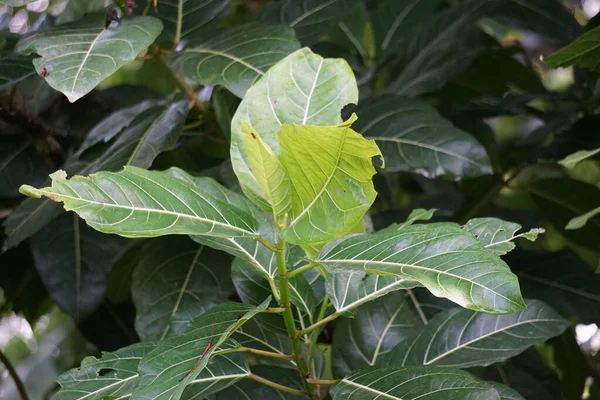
304, 199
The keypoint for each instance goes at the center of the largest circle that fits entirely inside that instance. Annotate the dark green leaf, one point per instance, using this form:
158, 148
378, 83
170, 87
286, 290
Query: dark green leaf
37, 95
237, 57
77, 58
583, 52
177, 280
72, 260
118, 279
462, 338
20, 163
356, 32
414, 137
250, 389
76, 9
14, 69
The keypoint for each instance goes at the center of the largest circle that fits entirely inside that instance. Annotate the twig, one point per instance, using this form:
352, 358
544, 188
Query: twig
13, 373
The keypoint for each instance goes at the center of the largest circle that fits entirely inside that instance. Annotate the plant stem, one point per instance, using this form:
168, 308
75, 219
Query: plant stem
263, 353
13, 373
276, 385
268, 245
415, 301
318, 324
274, 310
322, 381
183, 85
177, 38
288, 316
315, 335
301, 269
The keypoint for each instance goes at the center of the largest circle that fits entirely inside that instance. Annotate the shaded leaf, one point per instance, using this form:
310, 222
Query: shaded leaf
583, 52
77, 58
355, 32
329, 199
20, 163
118, 279
14, 69
442, 257
237, 57
414, 137
311, 19
579, 222
120, 203
250, 389
175, 281
303, 89
377, 327
72, 260
76, 9
462, 338
497, 235
575, 158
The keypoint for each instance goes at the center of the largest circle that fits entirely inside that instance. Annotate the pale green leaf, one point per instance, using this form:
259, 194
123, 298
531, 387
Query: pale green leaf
302, 89
448, 261
462, 338
411, 383
14, 69
121, 203
198, 279
498, 235
580, 221
331, 170
165, 371
573, 159
268, 171
414, 137
77, 58
235, 58
375, 329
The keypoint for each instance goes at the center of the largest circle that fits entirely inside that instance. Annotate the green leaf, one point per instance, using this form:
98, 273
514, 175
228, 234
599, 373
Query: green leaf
497, 235
313, 93
16, 3
165, 371
328, 200
414, 137
118, 279
448, 261
377, 327
462, 338
563, 199
395, 21
37, 95
198, 279
268, 171
355, 32
411, 383
311, 19
72, 260
583, 52
573, 159
220, 372
121, 203
77, 58
579, 222
77, 9
14, 69
20, 163
440, 48
237, 57
121, 379
250, 389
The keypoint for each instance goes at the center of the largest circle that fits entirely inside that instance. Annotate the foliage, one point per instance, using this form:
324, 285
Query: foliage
305, 199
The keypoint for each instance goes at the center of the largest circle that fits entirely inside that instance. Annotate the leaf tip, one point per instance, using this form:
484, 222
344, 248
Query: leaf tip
30, 191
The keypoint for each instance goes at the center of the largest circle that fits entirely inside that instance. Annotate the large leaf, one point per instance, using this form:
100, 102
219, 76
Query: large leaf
75, 58
355, 32
414, 137
561, 200
331, 197
166, 370
440, 48
497, 235
177, 280
303, 89
14, 69
237, 57
442, 257
309, 18
119, 380
20, 163
72, 260
394, 21
376, 328
121, 203
462, 338
411, 383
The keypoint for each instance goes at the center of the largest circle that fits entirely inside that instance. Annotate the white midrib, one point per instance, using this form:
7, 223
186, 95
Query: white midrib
87, 54
229, 56
367, 388
383, 335
109, 386
397, 23
152, 210
373, 295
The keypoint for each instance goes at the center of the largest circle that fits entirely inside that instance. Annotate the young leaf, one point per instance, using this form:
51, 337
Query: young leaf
302, 89
573, 159
462, 338
311, 19
121, 203
498, 235
411, 383
268, 171
330, 170
236, 57
72, 261
14, 69
165, 371
414, 137
377, 327
75, 58
198, 279
442, 257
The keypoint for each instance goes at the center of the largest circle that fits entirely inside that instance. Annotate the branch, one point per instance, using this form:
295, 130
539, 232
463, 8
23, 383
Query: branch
13, 373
